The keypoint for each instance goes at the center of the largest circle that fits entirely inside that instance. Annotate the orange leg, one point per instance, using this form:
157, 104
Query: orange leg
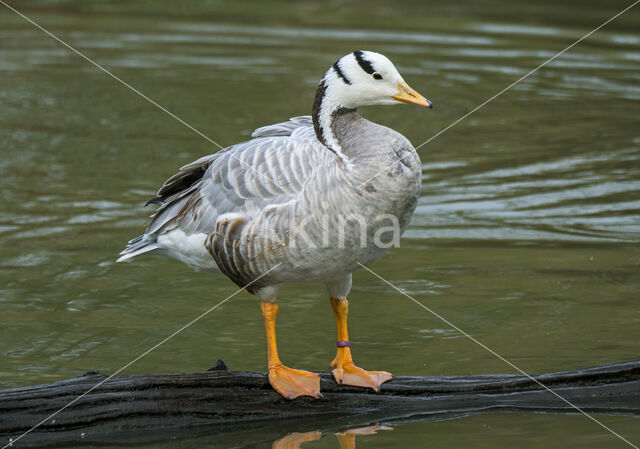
289, 382
345, 372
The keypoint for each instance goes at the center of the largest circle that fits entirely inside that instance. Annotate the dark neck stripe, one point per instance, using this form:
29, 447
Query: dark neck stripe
336, 67
315, 111
366, 65
341, 111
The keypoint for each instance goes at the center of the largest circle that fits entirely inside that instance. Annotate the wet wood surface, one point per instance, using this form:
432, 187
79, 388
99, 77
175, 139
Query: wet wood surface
144, 407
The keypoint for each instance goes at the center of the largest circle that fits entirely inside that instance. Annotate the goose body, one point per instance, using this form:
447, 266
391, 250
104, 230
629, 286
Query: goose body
306, 200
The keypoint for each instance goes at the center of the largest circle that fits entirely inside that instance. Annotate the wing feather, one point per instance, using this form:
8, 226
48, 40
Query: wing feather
245, 181
284, 128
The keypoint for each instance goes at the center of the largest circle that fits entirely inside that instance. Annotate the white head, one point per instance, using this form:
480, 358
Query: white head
361, 78
364, 78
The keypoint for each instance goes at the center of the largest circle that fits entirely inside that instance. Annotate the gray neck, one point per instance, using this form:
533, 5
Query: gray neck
329, 118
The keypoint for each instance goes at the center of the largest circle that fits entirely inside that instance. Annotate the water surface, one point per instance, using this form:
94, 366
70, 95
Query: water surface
526, 234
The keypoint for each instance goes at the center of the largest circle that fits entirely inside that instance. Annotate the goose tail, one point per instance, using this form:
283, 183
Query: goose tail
139, 245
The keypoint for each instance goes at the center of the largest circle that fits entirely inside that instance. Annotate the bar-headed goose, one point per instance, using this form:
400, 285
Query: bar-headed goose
307, 200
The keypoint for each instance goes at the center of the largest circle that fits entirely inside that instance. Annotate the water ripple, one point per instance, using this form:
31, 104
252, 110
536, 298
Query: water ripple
575, 198
339, 34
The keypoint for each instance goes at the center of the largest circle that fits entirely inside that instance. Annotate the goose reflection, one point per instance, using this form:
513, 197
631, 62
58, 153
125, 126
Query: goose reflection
346, 439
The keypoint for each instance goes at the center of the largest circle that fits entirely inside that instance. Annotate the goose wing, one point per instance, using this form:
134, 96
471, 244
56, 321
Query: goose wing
236, 183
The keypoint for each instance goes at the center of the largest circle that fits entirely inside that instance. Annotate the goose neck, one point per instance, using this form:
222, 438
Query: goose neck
327, 110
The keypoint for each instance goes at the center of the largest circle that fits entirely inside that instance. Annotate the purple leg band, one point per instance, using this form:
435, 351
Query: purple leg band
343, 344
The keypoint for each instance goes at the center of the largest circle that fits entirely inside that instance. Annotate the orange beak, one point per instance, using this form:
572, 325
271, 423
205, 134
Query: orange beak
407, 95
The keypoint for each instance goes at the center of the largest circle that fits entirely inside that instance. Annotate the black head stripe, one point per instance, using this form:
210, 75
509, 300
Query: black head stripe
366, 65
336, 67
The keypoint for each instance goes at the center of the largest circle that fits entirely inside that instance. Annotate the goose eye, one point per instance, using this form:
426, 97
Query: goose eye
377, 76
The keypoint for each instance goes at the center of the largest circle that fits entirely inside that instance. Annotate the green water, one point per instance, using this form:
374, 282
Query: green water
526, 234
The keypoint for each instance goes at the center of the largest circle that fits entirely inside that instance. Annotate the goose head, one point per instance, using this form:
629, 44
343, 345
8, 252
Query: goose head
361, 78
364, 78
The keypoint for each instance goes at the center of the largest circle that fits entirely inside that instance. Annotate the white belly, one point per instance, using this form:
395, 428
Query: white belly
189, 249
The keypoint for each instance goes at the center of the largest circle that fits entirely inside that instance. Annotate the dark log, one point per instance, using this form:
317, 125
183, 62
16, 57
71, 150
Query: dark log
151, 407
